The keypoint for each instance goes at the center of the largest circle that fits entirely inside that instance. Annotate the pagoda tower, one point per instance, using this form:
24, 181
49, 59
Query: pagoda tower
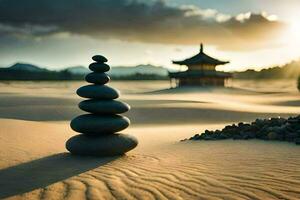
201, 71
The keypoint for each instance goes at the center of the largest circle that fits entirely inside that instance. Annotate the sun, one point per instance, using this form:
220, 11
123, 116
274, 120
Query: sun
295, 32
295, 28
292, 33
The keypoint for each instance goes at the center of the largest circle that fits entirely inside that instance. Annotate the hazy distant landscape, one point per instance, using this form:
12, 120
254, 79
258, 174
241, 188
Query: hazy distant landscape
288, 71
24, 71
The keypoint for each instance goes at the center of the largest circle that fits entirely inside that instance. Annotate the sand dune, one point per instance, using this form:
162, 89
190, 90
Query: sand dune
35, 165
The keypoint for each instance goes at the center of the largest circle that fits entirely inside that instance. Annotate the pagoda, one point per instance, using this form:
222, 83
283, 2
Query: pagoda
201, 71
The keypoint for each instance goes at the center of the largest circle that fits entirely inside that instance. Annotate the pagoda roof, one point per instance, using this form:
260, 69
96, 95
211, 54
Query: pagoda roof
200, 58
199, 74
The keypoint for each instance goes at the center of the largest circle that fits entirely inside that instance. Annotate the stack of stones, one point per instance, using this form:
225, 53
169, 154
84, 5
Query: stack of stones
100, 128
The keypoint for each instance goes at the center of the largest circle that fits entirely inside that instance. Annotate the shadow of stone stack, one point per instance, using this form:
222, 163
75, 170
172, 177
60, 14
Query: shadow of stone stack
100, 128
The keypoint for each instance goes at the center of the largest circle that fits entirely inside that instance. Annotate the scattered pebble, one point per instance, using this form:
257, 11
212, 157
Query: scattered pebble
279, 129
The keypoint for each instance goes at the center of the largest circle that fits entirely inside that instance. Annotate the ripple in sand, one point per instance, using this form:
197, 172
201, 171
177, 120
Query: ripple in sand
213, 170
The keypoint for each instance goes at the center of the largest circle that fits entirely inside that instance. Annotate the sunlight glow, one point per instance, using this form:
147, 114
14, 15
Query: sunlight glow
292, 34
295, 29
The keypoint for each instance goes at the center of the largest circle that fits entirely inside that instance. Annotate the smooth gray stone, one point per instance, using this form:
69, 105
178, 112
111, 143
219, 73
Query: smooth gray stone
92, 124
104, 106
97, 78
99, 58
110, 145
98, 92
99, 67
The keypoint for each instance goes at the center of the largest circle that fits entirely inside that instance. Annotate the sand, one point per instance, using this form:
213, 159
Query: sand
34, 164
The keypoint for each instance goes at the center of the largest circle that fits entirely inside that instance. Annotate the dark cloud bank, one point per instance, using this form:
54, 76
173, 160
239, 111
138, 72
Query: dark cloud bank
154, 22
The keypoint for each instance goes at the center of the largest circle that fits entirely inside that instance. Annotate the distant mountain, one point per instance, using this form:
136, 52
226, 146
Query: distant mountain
26, 67
23, 71
28, 72
139, 69
287, 71
78, 70
122, 71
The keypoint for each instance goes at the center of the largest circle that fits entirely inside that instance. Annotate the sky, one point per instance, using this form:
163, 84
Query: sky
60, 33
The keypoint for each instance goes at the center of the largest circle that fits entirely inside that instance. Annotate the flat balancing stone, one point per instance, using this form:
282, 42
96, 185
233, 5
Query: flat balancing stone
104, 106
98, 92
99, 67
97, 78
99, 58
110, 145
97, 125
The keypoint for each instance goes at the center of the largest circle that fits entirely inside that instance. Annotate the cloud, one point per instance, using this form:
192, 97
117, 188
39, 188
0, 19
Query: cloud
133, 20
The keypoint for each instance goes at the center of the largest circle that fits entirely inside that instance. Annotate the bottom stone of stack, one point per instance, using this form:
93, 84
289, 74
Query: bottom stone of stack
108, 145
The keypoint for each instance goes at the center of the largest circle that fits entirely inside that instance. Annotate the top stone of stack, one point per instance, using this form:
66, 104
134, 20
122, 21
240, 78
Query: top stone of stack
99, 59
